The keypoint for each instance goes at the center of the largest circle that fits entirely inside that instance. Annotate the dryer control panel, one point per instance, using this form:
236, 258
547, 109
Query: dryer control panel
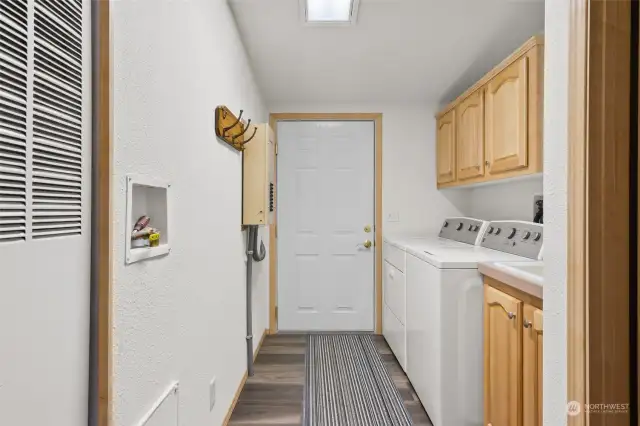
463, 229
515, 237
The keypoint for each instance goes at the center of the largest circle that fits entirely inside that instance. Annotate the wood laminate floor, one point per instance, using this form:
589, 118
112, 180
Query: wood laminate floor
274, 395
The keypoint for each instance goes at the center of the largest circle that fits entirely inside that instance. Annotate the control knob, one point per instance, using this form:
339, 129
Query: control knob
470, 228
537, 236
498, 231
459, 227
476, 228
512, 233
526, 235
491, 229
446, 224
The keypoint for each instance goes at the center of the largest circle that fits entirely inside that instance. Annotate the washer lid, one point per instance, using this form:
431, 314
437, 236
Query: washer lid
460, 257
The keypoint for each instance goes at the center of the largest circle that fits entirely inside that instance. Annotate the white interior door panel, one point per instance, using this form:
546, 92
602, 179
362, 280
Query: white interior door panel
326, 197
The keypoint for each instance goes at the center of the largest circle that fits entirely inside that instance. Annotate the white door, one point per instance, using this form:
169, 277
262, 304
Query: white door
326, 198
45, 211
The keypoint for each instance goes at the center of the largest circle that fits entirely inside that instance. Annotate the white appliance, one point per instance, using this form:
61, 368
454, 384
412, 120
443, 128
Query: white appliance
394, 277
444, 321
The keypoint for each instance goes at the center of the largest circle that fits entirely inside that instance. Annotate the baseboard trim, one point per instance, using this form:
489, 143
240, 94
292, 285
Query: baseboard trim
242, 382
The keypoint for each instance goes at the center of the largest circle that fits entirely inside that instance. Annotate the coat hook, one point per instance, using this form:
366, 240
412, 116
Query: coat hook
246, 127
255, 130
226, 129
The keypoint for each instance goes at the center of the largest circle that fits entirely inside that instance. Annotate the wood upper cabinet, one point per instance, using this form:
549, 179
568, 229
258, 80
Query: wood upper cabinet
506, 118
502, 358
470, 136
532, 366
498, 123
446, 148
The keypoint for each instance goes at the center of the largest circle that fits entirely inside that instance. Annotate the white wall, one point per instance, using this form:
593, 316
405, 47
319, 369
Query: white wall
505, 200
181, 317
408, 165
555, 192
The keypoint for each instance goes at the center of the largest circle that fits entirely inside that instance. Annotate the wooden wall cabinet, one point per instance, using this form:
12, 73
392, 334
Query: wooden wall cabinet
498, 123
446, 148
470, 136
512, 360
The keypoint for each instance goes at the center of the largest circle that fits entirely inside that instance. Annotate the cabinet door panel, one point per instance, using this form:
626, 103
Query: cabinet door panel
470, 136
446, 148
502, 358
507, 119
532, 367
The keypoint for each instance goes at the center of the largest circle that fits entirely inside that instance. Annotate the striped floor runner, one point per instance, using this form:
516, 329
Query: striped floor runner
346, 384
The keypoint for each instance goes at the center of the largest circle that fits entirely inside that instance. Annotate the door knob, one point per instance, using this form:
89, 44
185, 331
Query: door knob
367, 244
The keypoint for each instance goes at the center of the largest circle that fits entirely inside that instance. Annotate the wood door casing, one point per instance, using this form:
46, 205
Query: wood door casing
532, 367
507, 110
446, 148
502, 358
470, 136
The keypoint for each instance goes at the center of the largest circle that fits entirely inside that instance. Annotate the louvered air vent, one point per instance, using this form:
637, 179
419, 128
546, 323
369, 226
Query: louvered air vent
41, 119
13, 119
57, 119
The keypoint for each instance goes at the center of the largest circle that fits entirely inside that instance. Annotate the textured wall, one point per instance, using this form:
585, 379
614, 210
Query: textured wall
181, 317
555, 192
506, 200
408, 165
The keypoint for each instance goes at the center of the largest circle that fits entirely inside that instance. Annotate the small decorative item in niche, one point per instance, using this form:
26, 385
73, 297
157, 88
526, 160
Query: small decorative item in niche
148, 201
231, 129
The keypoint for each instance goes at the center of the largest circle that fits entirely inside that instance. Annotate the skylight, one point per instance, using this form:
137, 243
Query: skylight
330, 11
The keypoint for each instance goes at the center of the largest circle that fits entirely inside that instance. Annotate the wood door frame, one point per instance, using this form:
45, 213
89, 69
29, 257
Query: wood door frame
598, 363
274, 118
102, 213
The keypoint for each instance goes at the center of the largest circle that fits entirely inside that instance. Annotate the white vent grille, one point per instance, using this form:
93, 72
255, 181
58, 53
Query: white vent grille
41, 119
13, 119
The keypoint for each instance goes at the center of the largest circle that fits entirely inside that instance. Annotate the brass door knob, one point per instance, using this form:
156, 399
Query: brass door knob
367, 244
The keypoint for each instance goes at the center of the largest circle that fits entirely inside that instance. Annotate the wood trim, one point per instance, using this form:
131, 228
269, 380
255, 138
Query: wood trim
576, 211
104, 215
598, 208
378, 220
534, 41
273, 252
236, 397
273, 263
513, 292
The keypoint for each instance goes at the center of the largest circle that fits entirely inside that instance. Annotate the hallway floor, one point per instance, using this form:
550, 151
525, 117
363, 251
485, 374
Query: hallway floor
274, 395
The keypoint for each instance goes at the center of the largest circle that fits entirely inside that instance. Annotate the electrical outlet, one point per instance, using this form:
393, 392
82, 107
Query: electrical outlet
212, 394
536, 198
393, 217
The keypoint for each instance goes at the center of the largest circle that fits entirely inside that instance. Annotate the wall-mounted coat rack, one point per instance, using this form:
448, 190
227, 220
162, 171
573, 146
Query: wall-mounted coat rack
231, 130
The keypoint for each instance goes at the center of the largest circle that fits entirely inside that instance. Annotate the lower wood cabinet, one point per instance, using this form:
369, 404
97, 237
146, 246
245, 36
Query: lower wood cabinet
512, 360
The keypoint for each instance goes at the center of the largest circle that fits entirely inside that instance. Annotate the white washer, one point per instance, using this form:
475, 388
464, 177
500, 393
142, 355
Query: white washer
444, 321
468, 231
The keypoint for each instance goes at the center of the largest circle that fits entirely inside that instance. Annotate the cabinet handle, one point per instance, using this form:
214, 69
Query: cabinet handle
486, 163
511, 315
527, 323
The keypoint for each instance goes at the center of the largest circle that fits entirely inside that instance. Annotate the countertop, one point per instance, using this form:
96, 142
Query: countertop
524, 276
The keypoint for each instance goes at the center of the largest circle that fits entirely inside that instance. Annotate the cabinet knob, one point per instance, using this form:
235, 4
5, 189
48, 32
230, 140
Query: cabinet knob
486, 163
511, 315
527, 323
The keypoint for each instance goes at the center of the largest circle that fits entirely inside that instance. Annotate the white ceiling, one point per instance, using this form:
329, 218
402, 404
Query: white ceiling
399, 50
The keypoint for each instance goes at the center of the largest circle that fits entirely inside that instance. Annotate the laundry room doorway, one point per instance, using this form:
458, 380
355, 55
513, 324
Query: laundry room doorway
328, 197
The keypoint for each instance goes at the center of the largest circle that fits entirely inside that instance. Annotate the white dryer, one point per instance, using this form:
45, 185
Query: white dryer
444, 319
454, 232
